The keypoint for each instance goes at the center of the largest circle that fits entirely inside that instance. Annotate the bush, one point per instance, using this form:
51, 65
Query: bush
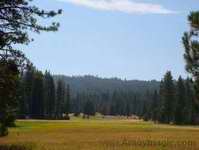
10, 121
17, 147
77, 114
67, 117
3, 130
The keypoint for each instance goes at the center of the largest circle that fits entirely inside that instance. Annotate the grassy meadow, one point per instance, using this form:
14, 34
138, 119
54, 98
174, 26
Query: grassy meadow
101, 134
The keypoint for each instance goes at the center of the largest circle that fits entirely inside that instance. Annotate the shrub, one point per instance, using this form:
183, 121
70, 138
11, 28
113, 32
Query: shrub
10, 121
17, 147
3, 130
67, 117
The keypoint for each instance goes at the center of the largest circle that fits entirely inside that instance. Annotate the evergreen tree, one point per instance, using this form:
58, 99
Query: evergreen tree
67, 102
168, 99
161, 102
128, 109
105, 103
135, 104
9, 77
89, 109
144, 111
147, 100
49, 95
113, 107
77, 105
38, 96
155, 107
28, 89
191, 45
196, 102
189, 104
60, 98
181, 102
67, 108
17, 17
22, 109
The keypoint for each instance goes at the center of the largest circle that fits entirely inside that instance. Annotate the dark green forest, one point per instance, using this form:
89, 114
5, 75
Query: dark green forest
54, 97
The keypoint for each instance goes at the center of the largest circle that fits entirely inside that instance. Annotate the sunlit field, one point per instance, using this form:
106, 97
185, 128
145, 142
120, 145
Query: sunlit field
101, 134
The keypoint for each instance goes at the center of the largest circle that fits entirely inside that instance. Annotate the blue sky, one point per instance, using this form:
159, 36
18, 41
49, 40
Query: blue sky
139, 39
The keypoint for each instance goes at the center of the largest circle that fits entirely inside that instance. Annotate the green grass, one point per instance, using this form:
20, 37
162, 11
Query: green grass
102, 134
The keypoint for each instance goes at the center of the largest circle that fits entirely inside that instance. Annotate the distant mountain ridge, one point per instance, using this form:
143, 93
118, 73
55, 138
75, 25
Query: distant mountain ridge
89, 83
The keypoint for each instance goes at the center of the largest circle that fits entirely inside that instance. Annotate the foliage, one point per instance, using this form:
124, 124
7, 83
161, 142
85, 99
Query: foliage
49, 95
191, 45
17, 18
8, 101
172, 102
89, 109
16, 147
60, 99
67, 101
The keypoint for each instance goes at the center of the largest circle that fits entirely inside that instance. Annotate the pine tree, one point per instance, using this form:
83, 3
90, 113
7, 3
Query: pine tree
60, 98
168, 99
113, 107
161, 102
147, 109
180, 113
105, 103
189, 104
77, 105
191, 45
17, 18
22, 104
144, 111
155, 107
196, 101
49, 95
38, 96
67, 102
89, 109
135, 104
28, 89
9, 77
52, 97
128, 109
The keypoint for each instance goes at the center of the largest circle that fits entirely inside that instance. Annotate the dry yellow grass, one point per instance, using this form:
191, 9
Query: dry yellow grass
102, 134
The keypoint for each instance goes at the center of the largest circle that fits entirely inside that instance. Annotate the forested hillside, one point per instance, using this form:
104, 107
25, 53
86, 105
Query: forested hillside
111, 96
93, 84
48, 97
45, 96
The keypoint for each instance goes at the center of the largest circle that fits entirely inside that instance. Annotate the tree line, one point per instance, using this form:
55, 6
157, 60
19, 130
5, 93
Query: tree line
43, 97
174, 101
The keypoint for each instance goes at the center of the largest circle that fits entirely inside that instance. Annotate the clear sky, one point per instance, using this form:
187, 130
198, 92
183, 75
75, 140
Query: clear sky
132, 39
